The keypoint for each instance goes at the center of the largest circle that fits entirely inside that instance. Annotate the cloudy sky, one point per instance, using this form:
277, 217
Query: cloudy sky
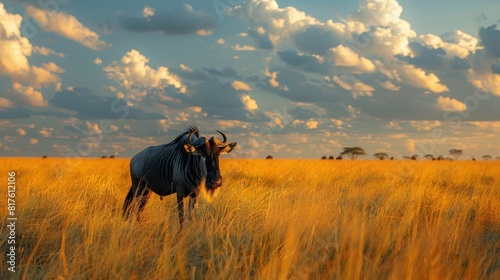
295, 79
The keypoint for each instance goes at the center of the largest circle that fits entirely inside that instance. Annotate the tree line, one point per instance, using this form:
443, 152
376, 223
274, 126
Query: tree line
355, 152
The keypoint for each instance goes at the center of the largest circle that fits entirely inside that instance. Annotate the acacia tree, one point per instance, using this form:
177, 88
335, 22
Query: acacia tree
429, 156
354, 152
456, 153
381, 156
487, 157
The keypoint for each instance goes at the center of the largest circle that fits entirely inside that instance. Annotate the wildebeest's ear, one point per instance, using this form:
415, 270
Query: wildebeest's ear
192, 150
228, 148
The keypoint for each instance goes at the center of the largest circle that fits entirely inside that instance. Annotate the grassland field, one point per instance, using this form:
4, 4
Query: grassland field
273, 219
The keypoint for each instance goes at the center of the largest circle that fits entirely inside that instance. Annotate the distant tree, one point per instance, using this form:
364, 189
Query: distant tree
45, 156
392, 158
331, 158
324, 157
498, 158
339, 158
429, 156
472, 158
456, 153
414, 157
269, 157
104, 157
440, 158
406, 157
111, 156
381, 156
487, 157
354, 152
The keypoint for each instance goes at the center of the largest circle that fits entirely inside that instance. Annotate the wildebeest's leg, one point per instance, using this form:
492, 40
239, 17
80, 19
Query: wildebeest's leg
130, 198
128, 201
180, 207
136, 197
143, 199
192, 204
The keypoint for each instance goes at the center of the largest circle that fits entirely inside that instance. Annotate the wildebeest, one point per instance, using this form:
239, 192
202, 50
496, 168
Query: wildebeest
187, 166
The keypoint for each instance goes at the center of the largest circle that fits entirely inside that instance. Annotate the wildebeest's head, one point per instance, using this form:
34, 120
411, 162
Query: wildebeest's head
210, 150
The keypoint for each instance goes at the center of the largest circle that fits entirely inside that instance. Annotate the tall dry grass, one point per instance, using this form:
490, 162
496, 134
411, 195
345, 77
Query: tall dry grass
274, 219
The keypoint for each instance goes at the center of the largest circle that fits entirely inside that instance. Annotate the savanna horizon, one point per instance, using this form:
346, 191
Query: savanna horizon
272, 219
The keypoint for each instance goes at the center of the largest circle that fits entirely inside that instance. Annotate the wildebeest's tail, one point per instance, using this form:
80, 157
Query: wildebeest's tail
128, 201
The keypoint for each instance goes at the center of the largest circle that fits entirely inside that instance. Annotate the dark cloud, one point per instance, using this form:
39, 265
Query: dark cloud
221, 100
425, 57
315, 40
304, 62
299, 113
459, 64
495, 68
14, 113
181, 19
300, 88
21, 113
88, 105
410, 106
490, 39
73, 128
195, 75
226, 72
262, 40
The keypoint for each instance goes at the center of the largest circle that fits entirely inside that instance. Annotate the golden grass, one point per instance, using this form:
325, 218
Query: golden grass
274, 219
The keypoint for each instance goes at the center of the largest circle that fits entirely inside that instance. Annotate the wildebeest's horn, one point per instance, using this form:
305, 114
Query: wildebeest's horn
224, 138
190, 138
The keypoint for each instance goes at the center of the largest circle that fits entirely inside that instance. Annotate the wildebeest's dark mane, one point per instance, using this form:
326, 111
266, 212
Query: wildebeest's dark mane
182, 138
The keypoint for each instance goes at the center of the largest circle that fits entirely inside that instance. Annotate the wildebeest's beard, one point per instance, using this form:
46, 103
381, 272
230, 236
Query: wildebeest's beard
214, 179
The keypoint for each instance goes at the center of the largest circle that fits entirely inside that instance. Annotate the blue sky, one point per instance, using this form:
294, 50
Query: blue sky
295, 79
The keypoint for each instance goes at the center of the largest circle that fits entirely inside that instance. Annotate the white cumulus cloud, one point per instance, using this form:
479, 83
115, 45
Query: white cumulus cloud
345, 57
97, 61
450, 104
14, 52
21, 132
135, 75
5, 103
249, 103
28, 96
239, 85
67, 26
312, 124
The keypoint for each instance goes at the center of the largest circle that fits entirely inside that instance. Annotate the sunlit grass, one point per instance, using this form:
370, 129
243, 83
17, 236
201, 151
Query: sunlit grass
273, 219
